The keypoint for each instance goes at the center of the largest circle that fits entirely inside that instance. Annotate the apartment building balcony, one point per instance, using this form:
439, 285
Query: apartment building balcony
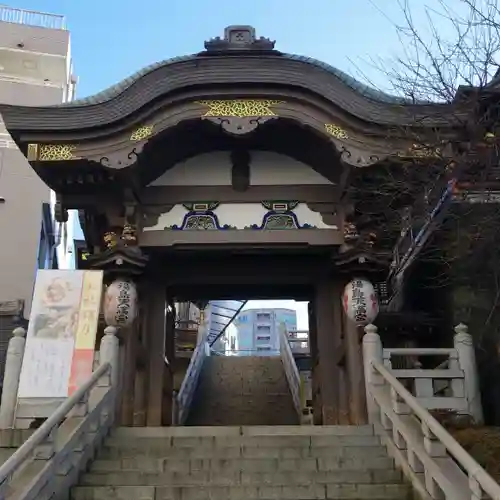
34, 48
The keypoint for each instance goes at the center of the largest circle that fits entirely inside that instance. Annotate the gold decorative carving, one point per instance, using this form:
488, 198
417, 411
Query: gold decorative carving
142, 133
56, 152
129, 235
421, 151
110, 239
240, 108
350, 232
32, 152
336, 131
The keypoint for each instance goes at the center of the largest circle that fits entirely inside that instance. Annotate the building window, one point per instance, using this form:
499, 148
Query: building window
264, 328
263, 337
264, 348
263, 317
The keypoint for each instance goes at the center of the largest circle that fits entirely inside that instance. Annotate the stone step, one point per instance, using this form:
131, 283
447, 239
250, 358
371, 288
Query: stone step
244, 442
258, 430
310, 492
243, 478
151, 464
245, 390
193, 452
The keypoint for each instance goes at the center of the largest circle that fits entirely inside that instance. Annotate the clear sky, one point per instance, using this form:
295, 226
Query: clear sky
112, 39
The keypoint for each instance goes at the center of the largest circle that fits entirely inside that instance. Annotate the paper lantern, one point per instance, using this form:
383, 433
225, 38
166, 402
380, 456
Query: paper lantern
120, 303
360, 301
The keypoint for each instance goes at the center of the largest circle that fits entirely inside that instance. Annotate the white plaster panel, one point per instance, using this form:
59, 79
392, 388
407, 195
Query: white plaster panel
214, 169
306, 216
273, 169
209, 169
239, 215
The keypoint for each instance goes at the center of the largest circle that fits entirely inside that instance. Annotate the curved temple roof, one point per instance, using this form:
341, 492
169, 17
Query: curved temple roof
239, 58
115, 90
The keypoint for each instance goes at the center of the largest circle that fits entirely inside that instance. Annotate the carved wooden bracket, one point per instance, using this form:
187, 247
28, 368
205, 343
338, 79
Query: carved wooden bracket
329, 213
151, 214
239, 116
122, 158
236, 125
358, 158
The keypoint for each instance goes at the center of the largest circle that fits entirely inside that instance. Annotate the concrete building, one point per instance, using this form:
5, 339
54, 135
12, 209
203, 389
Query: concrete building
257, 331
35, 70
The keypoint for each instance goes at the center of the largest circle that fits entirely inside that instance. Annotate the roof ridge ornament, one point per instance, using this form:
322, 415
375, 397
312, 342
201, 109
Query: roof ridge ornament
239, 38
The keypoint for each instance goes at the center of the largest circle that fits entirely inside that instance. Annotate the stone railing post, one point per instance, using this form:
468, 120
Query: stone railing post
464, 346
12, 373
372, 352
109, 352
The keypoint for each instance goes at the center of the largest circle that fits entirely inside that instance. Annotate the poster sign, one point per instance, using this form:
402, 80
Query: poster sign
61, 336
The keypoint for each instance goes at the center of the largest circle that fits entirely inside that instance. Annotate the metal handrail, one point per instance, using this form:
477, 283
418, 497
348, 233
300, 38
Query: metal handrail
221, 333
37, 438
419, 240
184, 397
474, 470
32, 18
261, 351
293, 377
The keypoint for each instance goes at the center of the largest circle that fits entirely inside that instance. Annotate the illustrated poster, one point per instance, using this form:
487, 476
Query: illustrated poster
61, 336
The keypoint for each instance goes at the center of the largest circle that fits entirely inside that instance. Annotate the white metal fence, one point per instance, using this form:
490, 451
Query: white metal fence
32, 18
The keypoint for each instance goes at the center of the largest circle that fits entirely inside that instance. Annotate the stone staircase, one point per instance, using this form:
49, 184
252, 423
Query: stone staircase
11, 440
242, 390
244, 463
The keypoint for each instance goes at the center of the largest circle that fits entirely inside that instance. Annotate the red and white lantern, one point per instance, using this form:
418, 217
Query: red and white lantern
360, 301
120, 303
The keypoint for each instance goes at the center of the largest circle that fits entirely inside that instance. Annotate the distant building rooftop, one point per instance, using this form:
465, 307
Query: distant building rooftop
32, 18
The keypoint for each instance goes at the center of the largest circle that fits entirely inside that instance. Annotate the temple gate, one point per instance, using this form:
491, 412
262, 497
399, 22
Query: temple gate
236, 172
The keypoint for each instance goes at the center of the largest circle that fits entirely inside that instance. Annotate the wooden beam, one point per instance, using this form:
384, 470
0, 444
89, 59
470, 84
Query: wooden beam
234, 238
314, 193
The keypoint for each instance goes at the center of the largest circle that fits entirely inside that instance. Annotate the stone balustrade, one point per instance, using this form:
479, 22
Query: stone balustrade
53, 457
436, 465
452, 385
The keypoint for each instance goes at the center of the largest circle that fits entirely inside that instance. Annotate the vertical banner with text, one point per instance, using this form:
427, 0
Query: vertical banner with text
62, 331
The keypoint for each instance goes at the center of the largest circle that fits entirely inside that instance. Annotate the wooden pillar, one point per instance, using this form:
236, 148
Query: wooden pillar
140, 387
141, 375
168, 374
340, 357
328, 326
313, 347
355, 373
344, 410
156, 296
130, 343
